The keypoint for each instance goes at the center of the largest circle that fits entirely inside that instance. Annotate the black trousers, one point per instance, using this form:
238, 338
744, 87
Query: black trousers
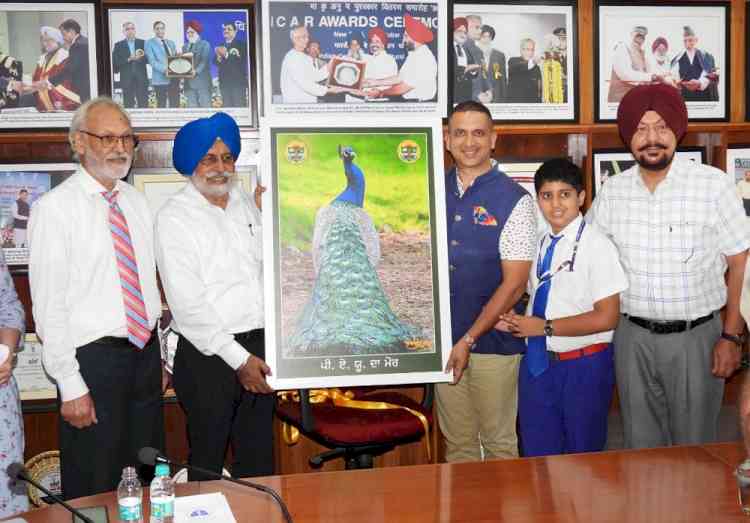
169, 92
133, 92
220, 410
233, 95
125, 385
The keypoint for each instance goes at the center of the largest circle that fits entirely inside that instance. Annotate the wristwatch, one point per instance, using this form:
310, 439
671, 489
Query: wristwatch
470, 341
548, 330
737, 339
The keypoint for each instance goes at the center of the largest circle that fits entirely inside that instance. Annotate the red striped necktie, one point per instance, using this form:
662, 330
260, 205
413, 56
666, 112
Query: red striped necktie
127, 267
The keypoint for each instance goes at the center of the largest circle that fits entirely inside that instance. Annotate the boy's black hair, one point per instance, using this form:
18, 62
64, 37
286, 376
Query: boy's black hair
559, 170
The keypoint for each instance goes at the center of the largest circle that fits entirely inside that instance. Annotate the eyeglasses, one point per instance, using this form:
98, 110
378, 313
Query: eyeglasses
211, 159
109, 141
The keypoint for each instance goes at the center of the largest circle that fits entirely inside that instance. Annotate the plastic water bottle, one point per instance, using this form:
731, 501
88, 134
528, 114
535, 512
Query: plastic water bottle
130, 496
162, 496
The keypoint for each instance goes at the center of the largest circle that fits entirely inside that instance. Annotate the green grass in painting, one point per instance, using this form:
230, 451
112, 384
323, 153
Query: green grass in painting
395, 191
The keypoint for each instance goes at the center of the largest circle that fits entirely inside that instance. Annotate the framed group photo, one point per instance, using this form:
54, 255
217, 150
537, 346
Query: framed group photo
684, 46
353, 58
20, 186
611, 162
171, 65
356, 291
518, 58
48, 62
738, 167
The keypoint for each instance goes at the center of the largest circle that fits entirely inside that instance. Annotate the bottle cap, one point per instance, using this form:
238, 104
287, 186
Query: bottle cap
162, 469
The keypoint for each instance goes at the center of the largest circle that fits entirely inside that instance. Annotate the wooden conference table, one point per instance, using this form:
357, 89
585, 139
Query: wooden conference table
685, 484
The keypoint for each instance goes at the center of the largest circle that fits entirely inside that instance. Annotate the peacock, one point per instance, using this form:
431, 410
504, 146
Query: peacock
348, 312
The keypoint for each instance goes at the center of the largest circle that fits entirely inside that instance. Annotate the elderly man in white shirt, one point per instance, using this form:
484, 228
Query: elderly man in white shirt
209, 252
96, 302
300, 79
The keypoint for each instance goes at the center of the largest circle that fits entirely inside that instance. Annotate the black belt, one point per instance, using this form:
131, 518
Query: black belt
669, 327
117, 341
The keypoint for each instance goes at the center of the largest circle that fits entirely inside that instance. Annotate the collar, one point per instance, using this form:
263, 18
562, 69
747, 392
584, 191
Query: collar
570, 231
674, 174
91, 185
490, 175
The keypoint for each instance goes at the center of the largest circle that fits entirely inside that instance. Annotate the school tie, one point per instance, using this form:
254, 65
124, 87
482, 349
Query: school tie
127, 267
536, 352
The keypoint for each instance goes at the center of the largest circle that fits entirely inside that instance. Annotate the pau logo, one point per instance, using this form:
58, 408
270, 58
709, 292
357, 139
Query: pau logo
409, 151
296, 152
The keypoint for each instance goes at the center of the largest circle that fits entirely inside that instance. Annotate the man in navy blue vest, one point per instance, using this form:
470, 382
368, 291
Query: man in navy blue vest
491, 245
696, 70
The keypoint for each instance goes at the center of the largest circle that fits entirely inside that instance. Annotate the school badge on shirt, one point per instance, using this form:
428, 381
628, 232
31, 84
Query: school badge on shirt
482, 217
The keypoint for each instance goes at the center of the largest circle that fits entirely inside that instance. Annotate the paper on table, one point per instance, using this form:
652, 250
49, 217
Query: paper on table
206, 508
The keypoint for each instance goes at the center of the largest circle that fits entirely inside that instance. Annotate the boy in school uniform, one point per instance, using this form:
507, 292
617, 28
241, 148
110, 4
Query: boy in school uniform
566, 378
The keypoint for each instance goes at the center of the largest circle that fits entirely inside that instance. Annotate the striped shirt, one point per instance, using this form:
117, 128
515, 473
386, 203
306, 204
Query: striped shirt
673, 242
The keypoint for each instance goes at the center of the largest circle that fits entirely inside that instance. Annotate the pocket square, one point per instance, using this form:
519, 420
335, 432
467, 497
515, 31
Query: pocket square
482, 217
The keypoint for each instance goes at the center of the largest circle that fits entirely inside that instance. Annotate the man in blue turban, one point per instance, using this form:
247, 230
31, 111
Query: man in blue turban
209, 254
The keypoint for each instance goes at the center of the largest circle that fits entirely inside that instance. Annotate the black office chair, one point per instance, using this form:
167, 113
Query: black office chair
358, 434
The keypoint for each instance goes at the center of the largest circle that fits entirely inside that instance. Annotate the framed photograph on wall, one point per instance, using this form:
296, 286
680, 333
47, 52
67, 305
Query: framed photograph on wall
353, 58
159, 184
611, 162
33, 382
20, 186
168, 65
738, 167
522, 172
356, 275
518, 58
685, 46
48, 62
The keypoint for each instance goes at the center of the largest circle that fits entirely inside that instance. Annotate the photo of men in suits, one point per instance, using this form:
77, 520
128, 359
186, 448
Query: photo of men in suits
129, 60
524, 75
77, 67
494, 63
158, 49
231, 61
696, 70
198, 89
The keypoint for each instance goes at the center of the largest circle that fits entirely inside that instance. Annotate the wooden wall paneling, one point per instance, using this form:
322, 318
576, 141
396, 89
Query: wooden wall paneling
586, 14
737, 85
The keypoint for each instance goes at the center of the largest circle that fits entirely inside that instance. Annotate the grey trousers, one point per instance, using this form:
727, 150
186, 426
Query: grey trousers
667, 393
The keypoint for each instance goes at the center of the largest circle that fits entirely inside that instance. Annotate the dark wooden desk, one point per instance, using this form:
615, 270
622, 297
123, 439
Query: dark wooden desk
680, 484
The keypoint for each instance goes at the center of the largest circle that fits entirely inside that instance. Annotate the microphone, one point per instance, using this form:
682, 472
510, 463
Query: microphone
17, 472
151, 456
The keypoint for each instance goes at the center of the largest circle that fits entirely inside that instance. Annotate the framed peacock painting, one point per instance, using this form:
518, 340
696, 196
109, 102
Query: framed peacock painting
355, 264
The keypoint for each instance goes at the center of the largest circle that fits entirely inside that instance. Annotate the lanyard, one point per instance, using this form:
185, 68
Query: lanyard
569, 263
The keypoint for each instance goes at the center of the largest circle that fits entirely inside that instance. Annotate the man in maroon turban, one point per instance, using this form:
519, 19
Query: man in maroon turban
198, 88
678, 226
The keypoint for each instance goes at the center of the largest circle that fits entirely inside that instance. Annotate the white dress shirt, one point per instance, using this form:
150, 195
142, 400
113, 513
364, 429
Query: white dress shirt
381, 66
299, 79
622, 64
211, 266
673, 242
597, 274
75, 284
420, 71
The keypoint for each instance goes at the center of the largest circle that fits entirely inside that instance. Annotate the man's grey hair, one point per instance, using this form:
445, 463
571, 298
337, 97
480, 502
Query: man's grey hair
295, 28
82, 113
525, 41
